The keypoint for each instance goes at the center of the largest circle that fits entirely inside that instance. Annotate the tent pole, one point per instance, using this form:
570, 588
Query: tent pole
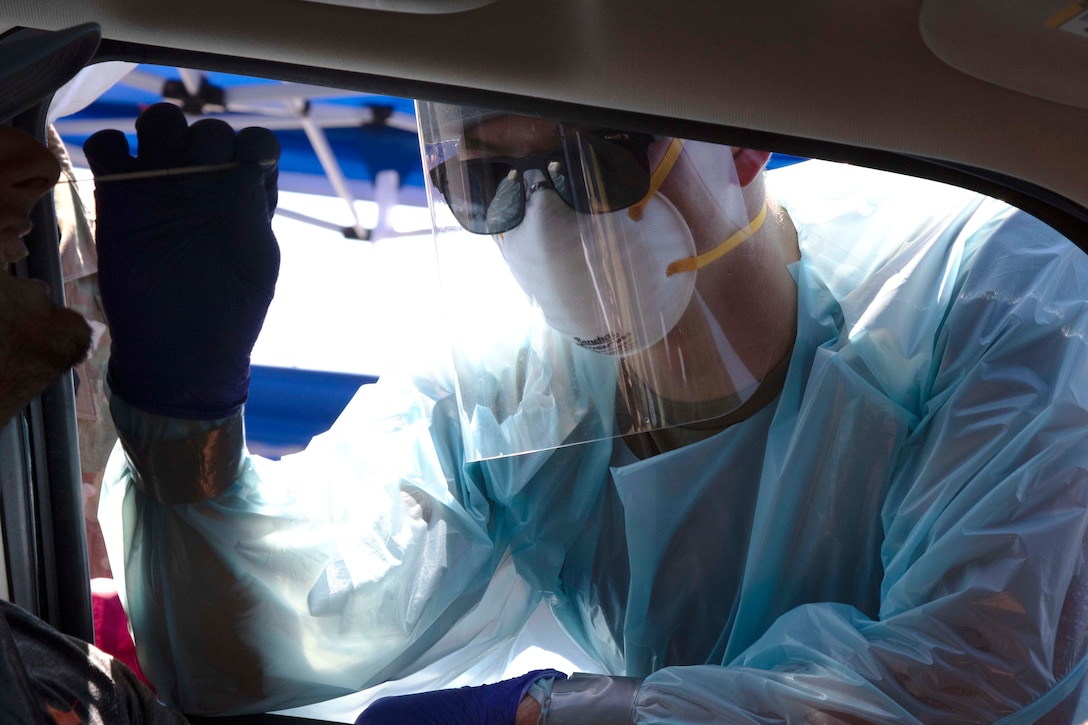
387, 195
325, 155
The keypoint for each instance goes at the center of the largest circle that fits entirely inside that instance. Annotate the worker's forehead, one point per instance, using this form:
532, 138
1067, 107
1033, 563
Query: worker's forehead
511, 136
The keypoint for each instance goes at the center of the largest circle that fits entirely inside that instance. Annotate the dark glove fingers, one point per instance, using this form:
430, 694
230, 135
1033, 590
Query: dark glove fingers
248, 240
256, 144
107, 152
252, 200
261, 146
160, 132
209, 141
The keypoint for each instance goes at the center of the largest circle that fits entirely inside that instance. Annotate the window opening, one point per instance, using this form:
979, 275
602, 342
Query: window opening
891, 274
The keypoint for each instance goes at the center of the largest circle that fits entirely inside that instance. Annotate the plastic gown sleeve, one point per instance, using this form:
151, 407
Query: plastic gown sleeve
306, 578
985, 582
355, 562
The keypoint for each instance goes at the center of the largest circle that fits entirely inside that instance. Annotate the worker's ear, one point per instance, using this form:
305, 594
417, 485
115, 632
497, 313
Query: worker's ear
749, 163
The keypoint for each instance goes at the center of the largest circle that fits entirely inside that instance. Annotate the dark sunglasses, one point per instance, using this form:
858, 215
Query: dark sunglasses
594, 172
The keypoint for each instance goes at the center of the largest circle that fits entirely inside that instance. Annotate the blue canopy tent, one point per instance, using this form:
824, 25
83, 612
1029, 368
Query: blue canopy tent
334, 142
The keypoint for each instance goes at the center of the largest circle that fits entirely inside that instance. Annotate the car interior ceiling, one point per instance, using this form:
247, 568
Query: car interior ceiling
842, 70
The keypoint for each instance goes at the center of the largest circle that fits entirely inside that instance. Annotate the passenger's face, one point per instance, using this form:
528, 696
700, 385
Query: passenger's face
38, 339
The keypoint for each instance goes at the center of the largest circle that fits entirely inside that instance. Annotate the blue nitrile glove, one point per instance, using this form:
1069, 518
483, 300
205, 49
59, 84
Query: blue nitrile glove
495, 704
187, 262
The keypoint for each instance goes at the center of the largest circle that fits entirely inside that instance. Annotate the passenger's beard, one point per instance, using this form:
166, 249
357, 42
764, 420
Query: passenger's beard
35, 347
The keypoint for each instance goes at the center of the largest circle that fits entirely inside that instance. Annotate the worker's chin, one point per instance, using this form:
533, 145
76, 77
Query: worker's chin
34, 350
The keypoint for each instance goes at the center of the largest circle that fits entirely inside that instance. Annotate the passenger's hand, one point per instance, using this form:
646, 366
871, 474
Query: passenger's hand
187, 261
495, 704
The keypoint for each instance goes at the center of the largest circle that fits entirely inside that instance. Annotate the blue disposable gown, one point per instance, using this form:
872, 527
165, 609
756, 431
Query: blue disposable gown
898, 537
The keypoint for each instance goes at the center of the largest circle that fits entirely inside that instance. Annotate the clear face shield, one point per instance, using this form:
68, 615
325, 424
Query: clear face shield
585, 271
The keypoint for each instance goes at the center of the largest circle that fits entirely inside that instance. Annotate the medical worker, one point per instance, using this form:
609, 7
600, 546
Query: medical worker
802, 447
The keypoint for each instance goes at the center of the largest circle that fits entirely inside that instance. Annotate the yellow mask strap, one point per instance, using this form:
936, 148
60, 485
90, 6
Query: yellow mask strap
690, 264
672, 153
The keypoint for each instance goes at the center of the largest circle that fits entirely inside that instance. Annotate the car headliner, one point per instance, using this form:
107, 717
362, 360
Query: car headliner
853, 72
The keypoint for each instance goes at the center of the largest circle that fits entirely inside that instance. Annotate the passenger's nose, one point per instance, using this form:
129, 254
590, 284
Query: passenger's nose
27, 168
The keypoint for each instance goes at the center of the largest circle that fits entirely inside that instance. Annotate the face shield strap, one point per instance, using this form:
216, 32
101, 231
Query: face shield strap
733, 241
